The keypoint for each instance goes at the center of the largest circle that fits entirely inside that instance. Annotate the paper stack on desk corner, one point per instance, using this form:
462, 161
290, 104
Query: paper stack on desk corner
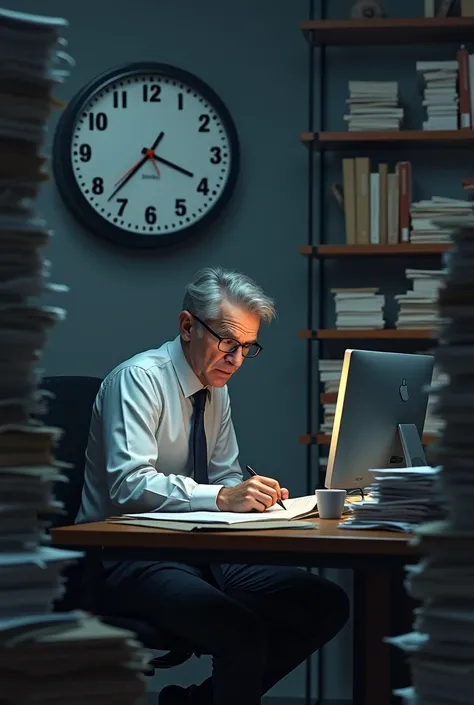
44, 656
440, 649
401, 499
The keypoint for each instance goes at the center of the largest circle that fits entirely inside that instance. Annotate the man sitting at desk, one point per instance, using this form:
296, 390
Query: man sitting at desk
162, 438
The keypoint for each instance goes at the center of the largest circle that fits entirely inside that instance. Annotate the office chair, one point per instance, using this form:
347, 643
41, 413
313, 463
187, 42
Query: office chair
70, 409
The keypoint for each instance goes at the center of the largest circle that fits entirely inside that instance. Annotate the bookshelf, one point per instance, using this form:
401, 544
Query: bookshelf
339, 141
402, 249
324, 439
369, 334
413, 30
320, 141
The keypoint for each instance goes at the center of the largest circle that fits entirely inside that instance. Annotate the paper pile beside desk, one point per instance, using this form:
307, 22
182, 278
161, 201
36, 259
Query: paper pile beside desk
80, 662
401, 499
44, 657
441, 647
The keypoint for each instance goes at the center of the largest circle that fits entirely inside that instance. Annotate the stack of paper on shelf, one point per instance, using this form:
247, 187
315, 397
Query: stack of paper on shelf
440, 94
44, 657
401, 498
440, 649
417, 307
359, 308
373, 105
423, 214
329, 377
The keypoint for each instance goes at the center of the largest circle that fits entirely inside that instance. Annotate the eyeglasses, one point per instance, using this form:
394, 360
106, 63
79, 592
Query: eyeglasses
230, 345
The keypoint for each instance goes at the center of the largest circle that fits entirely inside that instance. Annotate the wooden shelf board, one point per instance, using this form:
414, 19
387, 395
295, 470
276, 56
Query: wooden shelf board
419, 30
323, 439
373, 250
369, 334
390, 138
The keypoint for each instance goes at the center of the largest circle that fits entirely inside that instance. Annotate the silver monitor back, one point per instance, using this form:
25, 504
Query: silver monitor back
378, 391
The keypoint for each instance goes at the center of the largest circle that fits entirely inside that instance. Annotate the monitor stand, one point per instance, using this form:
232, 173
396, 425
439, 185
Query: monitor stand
410, 447
407, 451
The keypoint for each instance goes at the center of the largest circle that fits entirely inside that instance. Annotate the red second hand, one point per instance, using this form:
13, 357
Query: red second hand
142, 160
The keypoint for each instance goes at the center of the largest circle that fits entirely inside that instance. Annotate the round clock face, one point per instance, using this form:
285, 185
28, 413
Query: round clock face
146, 153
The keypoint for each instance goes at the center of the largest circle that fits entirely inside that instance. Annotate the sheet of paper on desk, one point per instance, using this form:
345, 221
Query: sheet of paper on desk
296, 508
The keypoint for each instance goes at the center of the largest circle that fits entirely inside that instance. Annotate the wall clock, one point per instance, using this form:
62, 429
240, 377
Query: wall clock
145, 154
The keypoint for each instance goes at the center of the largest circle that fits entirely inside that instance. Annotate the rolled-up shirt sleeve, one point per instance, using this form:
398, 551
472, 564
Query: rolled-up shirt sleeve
131, 409
224, 468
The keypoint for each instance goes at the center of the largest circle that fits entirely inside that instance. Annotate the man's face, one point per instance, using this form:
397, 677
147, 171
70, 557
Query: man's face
212, 366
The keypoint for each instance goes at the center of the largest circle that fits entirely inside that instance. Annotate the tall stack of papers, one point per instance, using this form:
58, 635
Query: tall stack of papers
417, 307
373, 105
401, 498
359, 308
441, 647
423, 229
434, 423
43, 656
440, 94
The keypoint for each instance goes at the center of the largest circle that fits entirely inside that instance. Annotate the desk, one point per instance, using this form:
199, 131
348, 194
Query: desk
375, 556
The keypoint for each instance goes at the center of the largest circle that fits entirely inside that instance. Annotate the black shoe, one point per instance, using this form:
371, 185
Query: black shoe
173, 695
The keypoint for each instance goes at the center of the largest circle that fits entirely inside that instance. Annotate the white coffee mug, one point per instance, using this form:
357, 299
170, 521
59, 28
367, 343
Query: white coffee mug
330, 503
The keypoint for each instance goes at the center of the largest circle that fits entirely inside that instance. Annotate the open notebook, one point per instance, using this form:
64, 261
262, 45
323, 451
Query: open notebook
297, 510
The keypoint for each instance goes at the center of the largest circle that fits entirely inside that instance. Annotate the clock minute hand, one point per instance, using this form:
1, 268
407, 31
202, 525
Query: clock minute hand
170, 164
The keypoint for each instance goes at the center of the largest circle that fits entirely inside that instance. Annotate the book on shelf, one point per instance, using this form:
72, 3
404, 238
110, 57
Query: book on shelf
468, 187
418, 306
330, 372
358, 308
376, 202
373, 105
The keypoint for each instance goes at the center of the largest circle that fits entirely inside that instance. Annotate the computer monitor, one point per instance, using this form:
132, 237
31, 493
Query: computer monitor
379, 418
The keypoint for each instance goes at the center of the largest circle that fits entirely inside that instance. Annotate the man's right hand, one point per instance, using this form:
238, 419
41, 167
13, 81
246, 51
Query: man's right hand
256, 494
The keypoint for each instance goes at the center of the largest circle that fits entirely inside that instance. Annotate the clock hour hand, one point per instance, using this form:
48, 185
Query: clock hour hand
170, 164
147, 154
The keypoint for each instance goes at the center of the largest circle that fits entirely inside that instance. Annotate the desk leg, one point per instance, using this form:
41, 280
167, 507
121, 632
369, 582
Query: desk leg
372, 622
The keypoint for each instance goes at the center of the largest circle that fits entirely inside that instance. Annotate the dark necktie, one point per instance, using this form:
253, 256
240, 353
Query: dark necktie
199, 444
199, 449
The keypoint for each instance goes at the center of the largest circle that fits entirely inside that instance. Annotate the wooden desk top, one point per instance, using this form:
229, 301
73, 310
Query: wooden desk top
325, 539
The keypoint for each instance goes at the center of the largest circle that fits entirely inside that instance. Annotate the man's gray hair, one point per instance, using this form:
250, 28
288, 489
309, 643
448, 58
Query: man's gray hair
213, 285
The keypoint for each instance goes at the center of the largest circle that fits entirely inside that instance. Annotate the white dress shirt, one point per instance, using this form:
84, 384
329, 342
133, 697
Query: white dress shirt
138, 457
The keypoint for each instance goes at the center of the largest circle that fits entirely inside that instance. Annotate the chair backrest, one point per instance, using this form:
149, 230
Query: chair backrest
70, 409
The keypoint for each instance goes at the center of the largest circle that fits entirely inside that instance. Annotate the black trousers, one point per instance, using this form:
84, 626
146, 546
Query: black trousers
258, 628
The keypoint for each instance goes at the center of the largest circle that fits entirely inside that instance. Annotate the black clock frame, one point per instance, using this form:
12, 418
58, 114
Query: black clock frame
64, 174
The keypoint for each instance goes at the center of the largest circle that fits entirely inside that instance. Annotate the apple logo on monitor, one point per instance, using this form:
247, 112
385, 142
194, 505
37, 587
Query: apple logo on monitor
404, 390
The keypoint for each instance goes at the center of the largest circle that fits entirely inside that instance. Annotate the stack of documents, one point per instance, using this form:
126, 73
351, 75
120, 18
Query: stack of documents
295, 516
43, 656
74, 661
441, 647
401, 498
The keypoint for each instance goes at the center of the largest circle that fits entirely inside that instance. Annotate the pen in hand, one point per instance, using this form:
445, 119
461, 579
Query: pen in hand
253, 474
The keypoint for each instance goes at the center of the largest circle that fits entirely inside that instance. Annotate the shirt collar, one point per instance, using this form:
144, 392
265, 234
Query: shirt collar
188, 381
